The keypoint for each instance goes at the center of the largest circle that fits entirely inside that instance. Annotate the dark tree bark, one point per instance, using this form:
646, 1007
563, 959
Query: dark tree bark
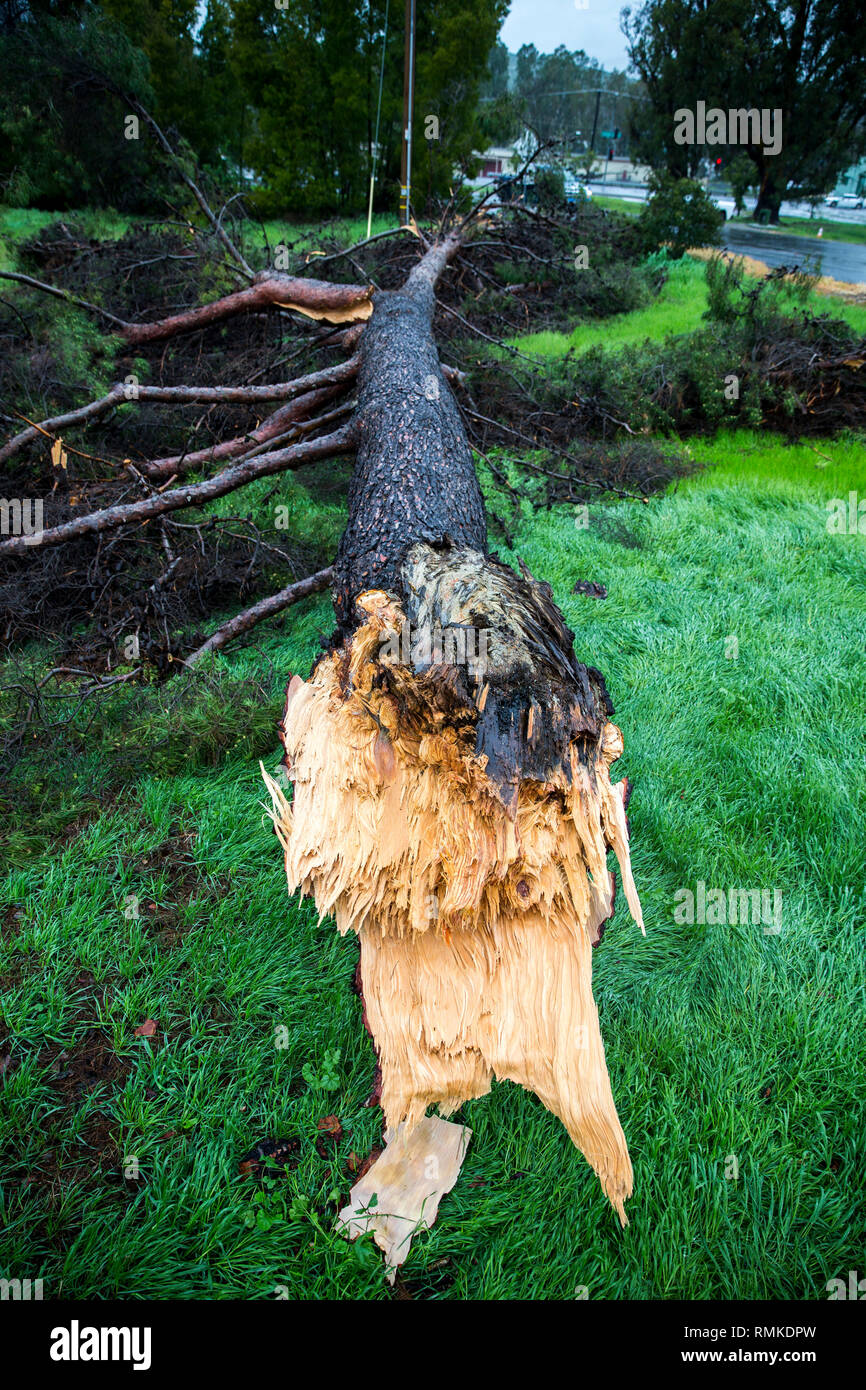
414, 477
414, 485
317, 298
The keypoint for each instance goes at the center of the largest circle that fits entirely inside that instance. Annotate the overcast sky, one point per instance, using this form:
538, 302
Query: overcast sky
548, 23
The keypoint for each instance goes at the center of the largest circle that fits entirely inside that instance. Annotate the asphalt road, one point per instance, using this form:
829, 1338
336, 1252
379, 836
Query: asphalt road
843, 260
824, 216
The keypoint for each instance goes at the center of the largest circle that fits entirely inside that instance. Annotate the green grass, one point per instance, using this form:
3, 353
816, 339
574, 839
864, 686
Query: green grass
346, 230
18, 225
630, 206
793, 226
169, 903
808, 227
676, 309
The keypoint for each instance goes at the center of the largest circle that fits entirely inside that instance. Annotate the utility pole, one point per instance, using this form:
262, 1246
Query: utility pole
595, 117
378, 117
408, 104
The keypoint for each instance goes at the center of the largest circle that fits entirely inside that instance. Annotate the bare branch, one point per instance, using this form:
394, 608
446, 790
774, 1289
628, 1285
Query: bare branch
193, 188
549, 448
358, 246
302, 408
316, 298
64, 294
183, 395
342, 441
242, 622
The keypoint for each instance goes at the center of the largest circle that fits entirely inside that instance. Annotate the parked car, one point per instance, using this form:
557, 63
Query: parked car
576, 192
843, 200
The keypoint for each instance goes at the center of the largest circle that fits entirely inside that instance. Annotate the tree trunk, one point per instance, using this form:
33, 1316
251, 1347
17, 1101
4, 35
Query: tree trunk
770, 192
450, 760
414, 478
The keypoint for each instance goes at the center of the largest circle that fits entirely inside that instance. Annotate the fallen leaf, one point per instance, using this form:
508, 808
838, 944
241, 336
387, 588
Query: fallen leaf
360, 1166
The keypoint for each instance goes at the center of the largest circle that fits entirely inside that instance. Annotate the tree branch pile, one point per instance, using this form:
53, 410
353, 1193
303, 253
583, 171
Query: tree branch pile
207, 399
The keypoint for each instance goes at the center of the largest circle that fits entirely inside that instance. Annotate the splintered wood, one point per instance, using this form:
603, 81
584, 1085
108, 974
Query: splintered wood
477, 899
400, 1193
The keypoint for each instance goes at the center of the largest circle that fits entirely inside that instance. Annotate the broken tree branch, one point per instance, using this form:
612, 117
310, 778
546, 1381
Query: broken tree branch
275, 603
342, 441
277, 424
315, 298
64, 294
216, 223
123, 394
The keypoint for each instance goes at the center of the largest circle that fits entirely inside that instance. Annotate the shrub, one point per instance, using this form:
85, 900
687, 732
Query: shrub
679, 214
550, 189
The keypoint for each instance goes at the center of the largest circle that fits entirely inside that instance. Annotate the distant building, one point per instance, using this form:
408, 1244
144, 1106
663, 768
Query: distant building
498, 159
853, 180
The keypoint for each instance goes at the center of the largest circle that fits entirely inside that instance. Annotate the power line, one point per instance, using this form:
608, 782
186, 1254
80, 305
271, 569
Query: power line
378, 115
408, 110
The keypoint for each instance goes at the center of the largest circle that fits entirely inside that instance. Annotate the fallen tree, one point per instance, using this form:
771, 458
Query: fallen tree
450, 755
450, 760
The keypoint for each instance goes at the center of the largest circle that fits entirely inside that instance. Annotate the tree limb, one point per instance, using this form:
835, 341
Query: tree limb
193, 188
342, 441
275, 603
64, 294
302, 408
183, 395
316, 298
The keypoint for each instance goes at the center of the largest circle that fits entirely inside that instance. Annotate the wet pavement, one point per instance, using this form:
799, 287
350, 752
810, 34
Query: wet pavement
843, 260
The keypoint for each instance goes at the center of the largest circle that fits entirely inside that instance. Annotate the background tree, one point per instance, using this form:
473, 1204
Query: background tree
65, 140
62, 141
804, 58
741, 174
288, 94
312, 139
550, 189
